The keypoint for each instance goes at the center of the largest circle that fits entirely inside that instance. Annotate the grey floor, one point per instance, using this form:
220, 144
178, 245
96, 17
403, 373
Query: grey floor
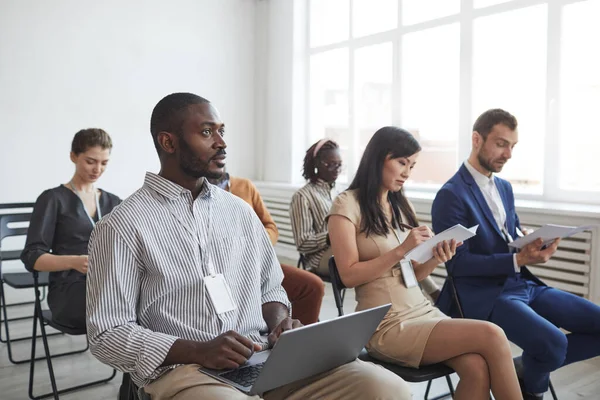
578, 381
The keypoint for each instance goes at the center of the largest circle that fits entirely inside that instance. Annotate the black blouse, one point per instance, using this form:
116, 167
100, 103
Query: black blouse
60, 225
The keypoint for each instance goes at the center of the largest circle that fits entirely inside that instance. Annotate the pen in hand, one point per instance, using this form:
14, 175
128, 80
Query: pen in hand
406, 226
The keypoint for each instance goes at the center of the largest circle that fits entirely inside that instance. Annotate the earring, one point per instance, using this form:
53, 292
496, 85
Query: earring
316, 170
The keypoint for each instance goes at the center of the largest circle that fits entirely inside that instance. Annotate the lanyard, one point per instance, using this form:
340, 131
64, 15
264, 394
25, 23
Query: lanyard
209, 264
98, 212
194, 229
395, 218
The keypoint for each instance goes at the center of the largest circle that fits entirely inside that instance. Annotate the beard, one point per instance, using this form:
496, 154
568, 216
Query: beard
488, 165
195, 166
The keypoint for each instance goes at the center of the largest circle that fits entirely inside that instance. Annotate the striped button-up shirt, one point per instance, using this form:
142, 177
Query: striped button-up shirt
147, 261
308, 209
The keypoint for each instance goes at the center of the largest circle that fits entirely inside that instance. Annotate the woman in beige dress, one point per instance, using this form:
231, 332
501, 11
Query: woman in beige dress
369, 232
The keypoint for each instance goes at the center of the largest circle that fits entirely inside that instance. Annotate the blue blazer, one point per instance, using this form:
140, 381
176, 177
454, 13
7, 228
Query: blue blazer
484, 262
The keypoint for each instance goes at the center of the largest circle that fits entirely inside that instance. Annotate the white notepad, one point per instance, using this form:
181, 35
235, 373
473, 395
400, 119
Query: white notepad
548, 233
423, 252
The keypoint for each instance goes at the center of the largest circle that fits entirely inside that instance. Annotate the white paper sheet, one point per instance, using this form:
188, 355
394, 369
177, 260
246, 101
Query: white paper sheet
548, 233
423, 252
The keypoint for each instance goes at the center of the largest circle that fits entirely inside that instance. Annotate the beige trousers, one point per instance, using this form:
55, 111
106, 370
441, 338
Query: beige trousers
357, 380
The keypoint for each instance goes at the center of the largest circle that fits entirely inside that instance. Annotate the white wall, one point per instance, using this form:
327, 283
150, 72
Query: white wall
281, 112
72, 64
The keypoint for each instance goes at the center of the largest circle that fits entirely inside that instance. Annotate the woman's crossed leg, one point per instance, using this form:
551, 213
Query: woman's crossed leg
480, 354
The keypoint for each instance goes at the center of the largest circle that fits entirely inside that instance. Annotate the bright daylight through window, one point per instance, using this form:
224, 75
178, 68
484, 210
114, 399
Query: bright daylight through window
432, 66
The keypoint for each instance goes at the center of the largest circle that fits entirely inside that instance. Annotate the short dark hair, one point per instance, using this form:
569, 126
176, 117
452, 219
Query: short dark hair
169, 114
310, 159
486, 121
91, 137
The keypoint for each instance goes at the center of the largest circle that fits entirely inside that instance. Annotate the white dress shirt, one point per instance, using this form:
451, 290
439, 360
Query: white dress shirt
492, 197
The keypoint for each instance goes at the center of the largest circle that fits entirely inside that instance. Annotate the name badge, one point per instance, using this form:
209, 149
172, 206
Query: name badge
219, 293
408, 273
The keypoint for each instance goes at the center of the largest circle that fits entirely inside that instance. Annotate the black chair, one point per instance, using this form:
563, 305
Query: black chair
301, 262
45, 319
11, 255
423, 374
517, 360
129, 391
16, 280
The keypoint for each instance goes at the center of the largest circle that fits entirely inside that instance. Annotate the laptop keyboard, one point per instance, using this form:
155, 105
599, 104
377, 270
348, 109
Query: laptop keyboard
244, 376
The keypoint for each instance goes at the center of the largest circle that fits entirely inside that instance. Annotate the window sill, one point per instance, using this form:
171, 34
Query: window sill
536, 206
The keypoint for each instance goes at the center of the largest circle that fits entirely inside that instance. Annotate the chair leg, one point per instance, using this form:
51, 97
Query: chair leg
32, 358
450, 385
4, 315
427, 390
450, 393
9, 342
78, 387
554, 396
55, 392
38, 315
4, 320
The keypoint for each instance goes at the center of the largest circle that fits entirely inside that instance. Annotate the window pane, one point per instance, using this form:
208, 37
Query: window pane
415, 11
509, 72
487, 3
329, 21
580, 98
429, 86
372, 91
329, 99
373, 16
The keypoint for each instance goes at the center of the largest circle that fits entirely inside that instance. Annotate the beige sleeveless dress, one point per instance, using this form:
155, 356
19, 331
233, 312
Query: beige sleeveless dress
402, 335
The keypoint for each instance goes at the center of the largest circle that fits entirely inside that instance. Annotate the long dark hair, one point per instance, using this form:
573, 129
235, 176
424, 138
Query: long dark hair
396, 143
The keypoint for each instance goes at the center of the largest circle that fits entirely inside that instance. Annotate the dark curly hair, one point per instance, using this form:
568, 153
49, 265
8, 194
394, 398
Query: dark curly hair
310, 159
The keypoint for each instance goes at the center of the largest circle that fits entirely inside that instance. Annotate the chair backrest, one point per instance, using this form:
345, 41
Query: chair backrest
15, 206
337, 285
7, 231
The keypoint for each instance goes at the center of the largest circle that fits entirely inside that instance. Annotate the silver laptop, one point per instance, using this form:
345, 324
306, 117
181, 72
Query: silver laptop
304, 352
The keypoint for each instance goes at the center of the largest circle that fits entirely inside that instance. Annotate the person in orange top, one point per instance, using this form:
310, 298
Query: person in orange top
304, 289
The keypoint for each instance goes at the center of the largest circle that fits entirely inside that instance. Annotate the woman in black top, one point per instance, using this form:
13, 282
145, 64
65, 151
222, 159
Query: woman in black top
61, 225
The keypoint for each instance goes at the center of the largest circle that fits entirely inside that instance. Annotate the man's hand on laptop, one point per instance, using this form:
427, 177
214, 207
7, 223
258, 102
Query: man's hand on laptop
285, 325
228, 350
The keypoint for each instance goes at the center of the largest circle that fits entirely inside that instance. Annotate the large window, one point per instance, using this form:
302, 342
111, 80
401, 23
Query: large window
509, 72
432, 66
579, 110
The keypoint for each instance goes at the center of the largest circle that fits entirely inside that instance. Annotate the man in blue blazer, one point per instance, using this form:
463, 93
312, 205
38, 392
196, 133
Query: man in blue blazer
494, 283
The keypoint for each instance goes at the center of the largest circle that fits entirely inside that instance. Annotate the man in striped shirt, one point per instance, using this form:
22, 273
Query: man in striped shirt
150, 309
